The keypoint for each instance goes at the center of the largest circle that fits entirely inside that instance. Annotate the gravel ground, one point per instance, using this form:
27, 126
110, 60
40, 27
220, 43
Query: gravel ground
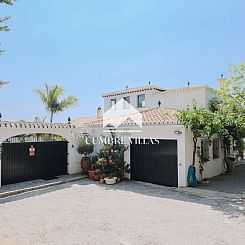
85, 212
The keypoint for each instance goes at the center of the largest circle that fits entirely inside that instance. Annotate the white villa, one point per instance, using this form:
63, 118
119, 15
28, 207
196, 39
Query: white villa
159, 147
167, 162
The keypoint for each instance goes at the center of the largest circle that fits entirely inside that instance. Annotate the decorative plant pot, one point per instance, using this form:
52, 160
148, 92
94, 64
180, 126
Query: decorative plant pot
118, 179
111, 181
91, 173
102, 181
85, 164
96, 177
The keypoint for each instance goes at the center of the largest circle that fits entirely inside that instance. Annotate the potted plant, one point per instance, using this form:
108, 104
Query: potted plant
85, 149
101, 176
96, 176
91, 173
110, 180
102, 181
111, 160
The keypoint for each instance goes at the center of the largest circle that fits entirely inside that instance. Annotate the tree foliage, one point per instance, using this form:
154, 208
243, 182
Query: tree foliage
2, 83
232, 94
4, 27
231, 111
50, 97
200, 121
225, 115
3, 20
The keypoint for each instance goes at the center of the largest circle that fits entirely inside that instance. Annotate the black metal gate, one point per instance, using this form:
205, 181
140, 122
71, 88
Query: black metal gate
17, 165
154, 163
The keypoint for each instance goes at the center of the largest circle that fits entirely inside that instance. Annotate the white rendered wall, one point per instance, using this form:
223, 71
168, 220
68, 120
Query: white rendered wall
10, 129
181, 99
184, 147
212, 168
133, 99
177, 99
160, 132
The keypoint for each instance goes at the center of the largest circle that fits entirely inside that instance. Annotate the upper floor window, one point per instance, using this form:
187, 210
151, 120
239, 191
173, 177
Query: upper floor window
216, 152
126, 105
141, 100
113, 103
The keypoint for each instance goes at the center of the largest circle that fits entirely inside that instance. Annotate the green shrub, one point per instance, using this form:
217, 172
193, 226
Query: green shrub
85, 148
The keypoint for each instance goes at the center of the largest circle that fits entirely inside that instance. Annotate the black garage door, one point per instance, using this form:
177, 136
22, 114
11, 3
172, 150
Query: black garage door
154, 163
17, 165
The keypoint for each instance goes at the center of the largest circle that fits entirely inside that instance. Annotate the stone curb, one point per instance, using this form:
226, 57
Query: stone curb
39, 187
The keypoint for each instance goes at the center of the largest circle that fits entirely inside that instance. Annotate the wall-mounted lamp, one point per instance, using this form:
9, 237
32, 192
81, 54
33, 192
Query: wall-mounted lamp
177, 132
69, 120
72, 146
84, 134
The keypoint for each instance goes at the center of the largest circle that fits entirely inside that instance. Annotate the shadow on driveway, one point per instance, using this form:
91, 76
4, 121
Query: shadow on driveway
231, 208
232, 184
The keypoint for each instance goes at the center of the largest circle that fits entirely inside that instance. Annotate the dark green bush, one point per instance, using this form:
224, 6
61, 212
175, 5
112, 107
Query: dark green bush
85, 148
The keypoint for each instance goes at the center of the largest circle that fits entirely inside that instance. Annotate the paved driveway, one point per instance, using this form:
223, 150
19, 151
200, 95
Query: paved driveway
231, 184
85, 212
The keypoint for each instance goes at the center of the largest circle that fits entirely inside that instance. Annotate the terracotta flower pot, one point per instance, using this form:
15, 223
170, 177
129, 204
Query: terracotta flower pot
91, 173
85, 164
96, 177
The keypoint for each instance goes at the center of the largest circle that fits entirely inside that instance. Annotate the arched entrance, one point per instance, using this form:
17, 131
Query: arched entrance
33, 156
68, 132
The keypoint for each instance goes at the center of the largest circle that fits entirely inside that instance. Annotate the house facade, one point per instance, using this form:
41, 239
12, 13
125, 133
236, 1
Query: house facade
166, 162
159, 147
150, 96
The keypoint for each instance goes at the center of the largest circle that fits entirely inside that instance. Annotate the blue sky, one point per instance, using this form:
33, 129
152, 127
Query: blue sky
92, 47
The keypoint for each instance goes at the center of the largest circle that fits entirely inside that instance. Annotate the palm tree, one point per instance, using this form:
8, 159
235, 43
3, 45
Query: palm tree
50, 97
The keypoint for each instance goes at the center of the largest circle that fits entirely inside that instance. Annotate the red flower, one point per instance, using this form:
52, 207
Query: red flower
110, 161
107, 151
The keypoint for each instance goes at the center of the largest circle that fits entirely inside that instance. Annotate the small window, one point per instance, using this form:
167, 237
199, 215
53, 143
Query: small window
113, 103
216, 152
141, 100
205, 149
127, 98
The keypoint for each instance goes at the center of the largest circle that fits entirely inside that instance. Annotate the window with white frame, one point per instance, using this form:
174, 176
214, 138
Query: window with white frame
141, 100
113, 103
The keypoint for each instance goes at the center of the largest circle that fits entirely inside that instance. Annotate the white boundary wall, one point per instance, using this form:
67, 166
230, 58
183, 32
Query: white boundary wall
70, 133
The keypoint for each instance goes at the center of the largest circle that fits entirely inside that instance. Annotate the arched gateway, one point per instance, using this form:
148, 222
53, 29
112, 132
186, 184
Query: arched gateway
31, 159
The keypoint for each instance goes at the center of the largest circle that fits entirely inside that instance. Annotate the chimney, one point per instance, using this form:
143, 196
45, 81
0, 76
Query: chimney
99, 112
221, 80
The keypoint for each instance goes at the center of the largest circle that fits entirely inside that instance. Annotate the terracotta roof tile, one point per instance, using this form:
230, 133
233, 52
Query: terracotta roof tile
133, 90
79, 122
153, 116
